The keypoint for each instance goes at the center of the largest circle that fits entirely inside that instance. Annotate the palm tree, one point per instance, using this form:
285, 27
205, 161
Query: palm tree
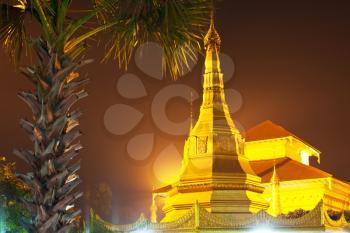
57, 86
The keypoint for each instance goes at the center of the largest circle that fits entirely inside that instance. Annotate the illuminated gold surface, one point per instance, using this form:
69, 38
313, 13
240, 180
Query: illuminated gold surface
270, 141
215, 173
266, 170
232, 183
226, 173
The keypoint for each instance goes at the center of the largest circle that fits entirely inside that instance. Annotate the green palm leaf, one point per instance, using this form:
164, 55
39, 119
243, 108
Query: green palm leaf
175, 24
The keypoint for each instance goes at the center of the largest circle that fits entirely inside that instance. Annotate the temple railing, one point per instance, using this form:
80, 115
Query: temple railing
339, 222
199, 218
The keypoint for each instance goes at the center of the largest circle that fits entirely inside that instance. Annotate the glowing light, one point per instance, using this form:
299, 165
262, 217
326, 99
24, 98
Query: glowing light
167, 166
263, 229
72, 178
142, 231
266, 229
69, 207
304, 157
22, 5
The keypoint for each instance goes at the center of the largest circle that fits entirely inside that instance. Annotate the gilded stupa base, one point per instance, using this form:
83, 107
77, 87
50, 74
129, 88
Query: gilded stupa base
222, 195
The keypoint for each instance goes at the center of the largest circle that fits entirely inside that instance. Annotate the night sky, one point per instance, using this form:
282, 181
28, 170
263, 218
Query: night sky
292, 66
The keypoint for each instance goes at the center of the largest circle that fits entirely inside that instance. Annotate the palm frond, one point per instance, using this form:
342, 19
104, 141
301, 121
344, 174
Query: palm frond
13, 34
76, 44
41, 7
180, 33
73, 36
177, 25
61, 15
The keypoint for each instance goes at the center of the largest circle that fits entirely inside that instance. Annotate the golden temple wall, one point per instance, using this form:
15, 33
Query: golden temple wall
290, 147
337, 195
298, 194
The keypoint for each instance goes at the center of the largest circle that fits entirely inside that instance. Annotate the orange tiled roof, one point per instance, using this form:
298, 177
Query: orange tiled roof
266, 130
287, 170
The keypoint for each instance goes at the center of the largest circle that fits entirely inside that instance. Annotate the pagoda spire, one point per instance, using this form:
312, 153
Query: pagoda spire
214, 114
215, 171
214, 132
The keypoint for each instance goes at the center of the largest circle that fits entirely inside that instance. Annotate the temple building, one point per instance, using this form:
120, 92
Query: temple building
233, 181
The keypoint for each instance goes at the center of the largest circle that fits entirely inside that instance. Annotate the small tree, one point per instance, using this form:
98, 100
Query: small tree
11, 189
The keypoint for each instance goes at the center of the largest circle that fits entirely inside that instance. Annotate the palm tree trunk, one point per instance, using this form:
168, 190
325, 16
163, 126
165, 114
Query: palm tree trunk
53, 129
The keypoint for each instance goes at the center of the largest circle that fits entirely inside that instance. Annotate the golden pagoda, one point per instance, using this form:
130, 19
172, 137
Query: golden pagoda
239, 182
215, 173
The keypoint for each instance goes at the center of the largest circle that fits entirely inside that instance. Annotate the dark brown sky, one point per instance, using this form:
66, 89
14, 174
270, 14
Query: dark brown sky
292, 61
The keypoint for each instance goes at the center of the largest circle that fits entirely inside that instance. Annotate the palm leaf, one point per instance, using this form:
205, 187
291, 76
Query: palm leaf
75, 46
40, 6
74, 29
13, 35
177, 25
61, 16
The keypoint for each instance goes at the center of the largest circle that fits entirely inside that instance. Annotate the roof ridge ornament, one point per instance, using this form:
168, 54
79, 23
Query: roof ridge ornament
274, 177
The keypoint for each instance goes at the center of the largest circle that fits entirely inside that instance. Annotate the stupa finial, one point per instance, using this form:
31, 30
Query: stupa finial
212, 39
212, 24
